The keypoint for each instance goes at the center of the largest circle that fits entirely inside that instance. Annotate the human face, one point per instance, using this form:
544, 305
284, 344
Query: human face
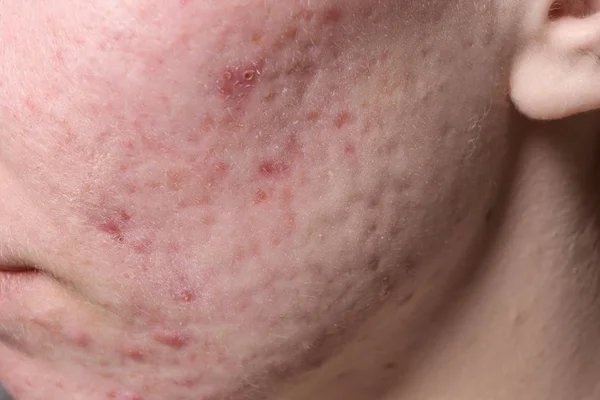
218, 194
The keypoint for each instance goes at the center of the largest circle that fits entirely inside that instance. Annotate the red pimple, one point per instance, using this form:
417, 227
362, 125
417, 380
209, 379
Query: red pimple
185, 296
333, 15
237, 82
113, 229
342, 119
217, 173
273, 168
113, 225
170, 338
83, 340
135, 354
261, 196
173, 248
191, 382
221, 166
294, 148
59, 57
349, 150
255, 249
32, 105
307, 15
313, 116
142, 246
227, 75
207, 124
249, 75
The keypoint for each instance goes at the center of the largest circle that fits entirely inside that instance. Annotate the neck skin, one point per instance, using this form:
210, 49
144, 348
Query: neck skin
525, 323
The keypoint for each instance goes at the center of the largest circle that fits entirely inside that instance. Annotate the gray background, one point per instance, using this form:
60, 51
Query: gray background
3, 394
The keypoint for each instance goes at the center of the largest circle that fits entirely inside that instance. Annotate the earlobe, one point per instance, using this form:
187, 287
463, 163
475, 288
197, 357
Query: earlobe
556, 74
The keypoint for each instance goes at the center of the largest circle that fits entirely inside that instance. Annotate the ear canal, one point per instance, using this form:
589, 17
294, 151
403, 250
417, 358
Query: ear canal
571, 8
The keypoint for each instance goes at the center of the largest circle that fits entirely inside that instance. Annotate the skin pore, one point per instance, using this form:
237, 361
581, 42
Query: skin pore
293, 199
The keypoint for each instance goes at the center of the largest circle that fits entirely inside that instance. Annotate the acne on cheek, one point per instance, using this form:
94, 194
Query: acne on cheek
248, 93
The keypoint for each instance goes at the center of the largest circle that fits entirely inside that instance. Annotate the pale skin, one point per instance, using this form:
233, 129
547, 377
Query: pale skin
293, 199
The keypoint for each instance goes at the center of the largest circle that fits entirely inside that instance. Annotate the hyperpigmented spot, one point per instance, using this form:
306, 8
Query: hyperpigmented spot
390, 365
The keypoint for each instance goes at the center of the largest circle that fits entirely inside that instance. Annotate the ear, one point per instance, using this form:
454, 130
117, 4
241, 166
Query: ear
556, 73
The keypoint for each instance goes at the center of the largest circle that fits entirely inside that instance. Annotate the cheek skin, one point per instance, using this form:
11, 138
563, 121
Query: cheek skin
240, 184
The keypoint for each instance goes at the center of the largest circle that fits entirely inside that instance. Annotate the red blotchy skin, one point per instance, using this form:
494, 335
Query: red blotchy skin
208, 183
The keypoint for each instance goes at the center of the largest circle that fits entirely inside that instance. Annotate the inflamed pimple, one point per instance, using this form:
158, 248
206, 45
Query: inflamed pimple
174, 339
113, 223
238, 80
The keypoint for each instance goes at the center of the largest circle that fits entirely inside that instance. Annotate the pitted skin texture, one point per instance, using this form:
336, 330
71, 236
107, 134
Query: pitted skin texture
224, 196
